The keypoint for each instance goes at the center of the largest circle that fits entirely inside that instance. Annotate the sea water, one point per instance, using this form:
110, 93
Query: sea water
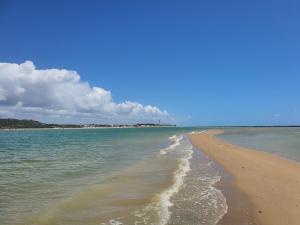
106, 176
283, 141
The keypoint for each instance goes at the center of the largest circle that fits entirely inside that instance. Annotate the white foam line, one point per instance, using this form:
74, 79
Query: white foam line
115, 222
212, 187
176, 141
198, 132
165, 202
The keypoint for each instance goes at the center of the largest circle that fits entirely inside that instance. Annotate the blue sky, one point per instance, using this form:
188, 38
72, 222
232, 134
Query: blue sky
205, 62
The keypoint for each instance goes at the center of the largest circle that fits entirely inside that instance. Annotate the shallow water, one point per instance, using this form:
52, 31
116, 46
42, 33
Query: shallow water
106, 176
283, 141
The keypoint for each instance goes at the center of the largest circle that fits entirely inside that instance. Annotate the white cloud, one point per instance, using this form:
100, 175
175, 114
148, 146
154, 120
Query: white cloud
58, 93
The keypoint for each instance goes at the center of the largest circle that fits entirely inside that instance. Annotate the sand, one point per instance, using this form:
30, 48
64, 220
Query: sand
270, 182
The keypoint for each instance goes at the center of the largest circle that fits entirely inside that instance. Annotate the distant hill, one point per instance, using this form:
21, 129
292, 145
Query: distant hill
22, 124
15, 124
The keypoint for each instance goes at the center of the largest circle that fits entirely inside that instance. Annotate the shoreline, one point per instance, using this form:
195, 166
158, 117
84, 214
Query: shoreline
268, 184
78, 128
240, 210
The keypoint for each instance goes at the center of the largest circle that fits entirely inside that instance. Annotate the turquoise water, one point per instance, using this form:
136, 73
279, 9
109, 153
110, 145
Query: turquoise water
119, 176
106, 176
283, 141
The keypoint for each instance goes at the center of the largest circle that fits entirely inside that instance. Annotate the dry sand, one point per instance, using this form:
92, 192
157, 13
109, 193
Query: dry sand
271, 183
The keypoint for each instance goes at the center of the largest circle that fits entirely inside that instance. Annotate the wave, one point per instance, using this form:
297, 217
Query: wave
193, 193
180, 173
215, 197
187, 180
180, 151
162, 206
197, 132
115, 222
175, 142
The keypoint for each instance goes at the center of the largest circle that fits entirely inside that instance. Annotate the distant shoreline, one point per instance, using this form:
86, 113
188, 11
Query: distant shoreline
81, 128
133, 126
15, 124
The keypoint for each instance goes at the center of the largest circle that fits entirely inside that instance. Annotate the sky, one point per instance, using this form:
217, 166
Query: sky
184, 62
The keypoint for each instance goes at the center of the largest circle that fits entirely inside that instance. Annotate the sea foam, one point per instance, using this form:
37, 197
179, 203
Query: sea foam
183, 168
175, 142
184, 191
115, 222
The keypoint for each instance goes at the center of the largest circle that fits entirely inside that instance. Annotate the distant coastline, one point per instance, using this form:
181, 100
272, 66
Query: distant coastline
13, 124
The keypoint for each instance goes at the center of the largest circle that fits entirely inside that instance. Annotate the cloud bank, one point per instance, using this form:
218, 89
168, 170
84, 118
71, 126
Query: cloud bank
60, 95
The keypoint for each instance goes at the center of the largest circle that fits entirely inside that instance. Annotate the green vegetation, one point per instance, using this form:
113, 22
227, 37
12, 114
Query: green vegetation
22, 124
14, 124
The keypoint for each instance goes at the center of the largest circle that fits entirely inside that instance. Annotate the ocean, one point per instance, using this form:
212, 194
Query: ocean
115, 176
283, 141
131, 176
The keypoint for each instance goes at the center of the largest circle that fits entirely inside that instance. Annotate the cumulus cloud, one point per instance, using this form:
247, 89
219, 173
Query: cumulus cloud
26, 91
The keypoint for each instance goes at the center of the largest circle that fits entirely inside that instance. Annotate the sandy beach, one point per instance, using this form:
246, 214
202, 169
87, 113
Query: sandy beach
270, 183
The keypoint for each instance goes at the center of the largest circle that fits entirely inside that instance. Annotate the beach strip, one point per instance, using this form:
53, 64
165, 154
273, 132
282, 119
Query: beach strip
270, 182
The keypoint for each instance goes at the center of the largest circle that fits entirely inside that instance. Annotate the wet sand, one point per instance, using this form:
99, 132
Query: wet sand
240, 210
269, 185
